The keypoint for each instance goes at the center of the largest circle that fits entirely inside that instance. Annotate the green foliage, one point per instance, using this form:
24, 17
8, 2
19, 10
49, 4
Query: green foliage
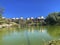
0, 15
53, 19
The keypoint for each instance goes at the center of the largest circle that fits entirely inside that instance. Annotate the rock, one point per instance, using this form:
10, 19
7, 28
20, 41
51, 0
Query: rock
54, 42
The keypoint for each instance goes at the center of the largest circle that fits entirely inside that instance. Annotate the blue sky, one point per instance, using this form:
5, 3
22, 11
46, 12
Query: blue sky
29, 8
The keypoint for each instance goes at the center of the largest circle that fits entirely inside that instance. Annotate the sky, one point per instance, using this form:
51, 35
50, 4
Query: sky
29, 8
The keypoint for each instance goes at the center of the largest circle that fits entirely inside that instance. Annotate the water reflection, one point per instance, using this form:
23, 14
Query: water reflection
54, 31
28, 36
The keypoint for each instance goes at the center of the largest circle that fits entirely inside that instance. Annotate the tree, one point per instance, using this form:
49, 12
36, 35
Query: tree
53, 18
1, 12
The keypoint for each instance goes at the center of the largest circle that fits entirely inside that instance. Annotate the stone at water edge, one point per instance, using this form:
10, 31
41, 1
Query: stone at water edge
54, 42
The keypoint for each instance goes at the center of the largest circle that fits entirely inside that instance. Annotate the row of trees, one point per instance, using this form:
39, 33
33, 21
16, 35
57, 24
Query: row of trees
29, 21
51, 19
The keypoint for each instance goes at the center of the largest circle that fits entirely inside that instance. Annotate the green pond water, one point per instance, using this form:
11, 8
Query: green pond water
29, 35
